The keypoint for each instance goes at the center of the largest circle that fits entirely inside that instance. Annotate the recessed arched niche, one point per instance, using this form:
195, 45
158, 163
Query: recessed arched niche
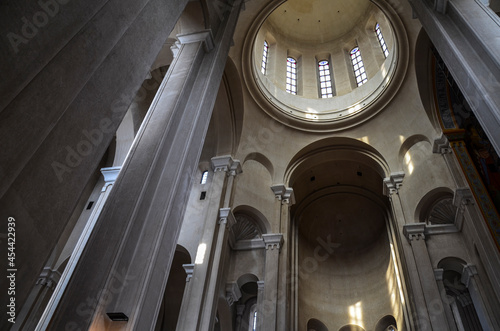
345, 263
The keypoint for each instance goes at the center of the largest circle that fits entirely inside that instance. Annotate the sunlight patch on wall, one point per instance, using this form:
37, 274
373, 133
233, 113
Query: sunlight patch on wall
409, 163
393, 254
200, 254
356, 314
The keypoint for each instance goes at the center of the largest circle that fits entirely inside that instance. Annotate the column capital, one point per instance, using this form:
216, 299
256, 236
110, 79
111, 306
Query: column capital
393, 183
468, 273
204, 36
463, 196
260, 285
233, 293
284, 194
189, 268
273, 240
226, 163
414, 231
441, 145
226, 217
110, 174
438, 274
49, 278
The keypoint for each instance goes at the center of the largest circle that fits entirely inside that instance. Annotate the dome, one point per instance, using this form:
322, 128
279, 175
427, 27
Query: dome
325, 65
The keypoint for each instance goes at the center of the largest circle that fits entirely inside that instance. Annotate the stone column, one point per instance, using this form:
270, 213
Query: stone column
469, 278
240, 309
417, 314
457, 44
285, 198
269, 306
200, 297
110, 174
209, 308
442, 146
433, 303
28, 317
137, 231
260, 305
438, 274
64, 94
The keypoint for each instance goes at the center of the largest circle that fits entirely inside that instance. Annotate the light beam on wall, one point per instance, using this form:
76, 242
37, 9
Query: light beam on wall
200, 254
356, 314
393, 254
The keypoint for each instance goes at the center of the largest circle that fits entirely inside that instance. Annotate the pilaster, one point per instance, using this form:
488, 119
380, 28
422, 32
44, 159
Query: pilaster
438, 274
110, 175
196, 299
284, 199
141, 234
470, 279
261, 307
273, 244
434, 312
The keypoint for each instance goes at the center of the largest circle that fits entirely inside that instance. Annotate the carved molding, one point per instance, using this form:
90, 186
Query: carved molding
227, 164
441, 145
469, 271
284, 194
415, 231
110, 174
233, 293
49, 278
205, 36
273, 240
393, 183
226, 217
189, 268
463, 196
